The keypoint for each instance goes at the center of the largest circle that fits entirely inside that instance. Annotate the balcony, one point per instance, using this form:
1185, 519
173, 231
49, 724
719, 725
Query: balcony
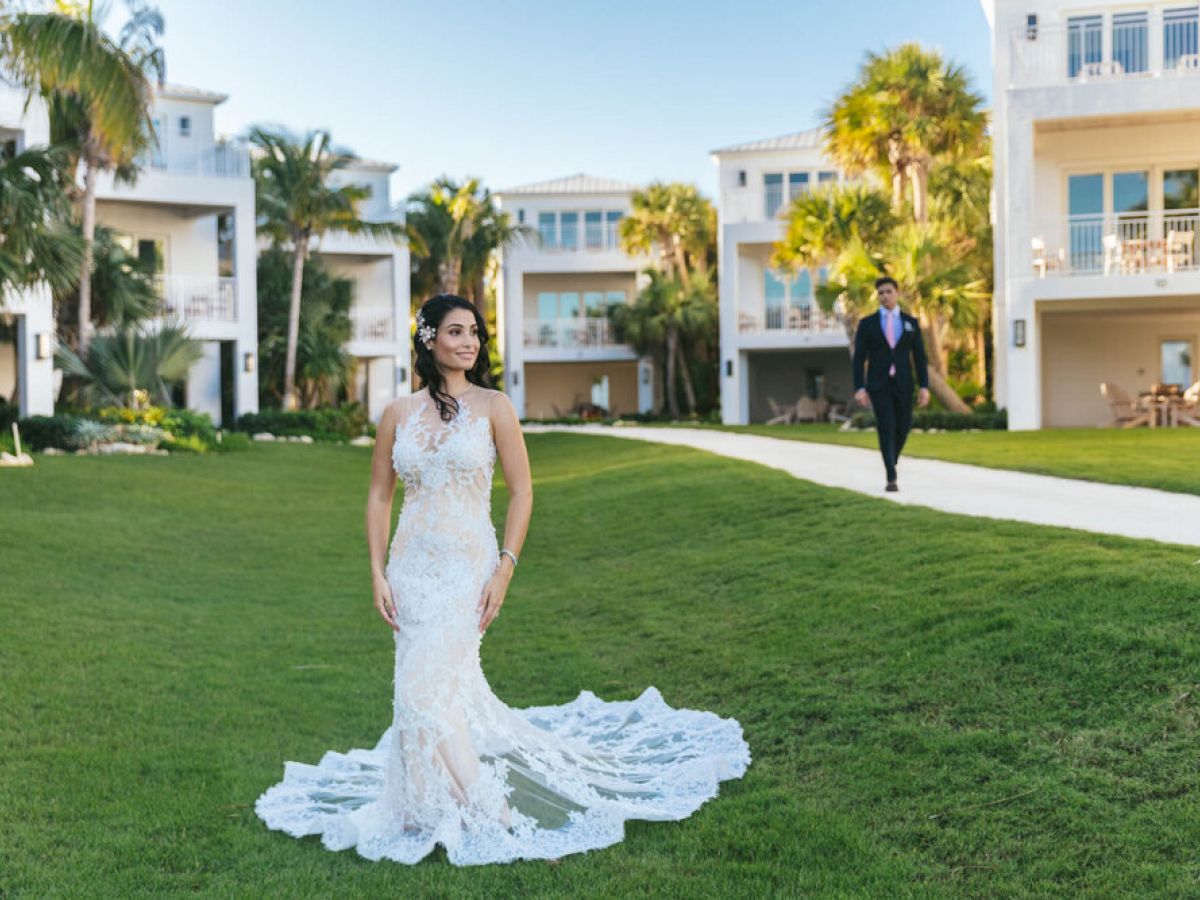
1100, 48
230, 159
197, 298
790, 319
583, 331
372, 325
1161, 241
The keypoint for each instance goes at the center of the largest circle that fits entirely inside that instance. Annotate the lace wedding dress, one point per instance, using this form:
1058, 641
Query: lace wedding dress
457, 767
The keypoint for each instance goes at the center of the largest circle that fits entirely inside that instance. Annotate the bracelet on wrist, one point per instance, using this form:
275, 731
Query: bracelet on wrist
510, 555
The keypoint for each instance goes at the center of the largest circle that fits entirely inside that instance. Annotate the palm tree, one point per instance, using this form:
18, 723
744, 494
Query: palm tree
298, 204
908, 109
132, 362
676, 222
99, 92
37, 240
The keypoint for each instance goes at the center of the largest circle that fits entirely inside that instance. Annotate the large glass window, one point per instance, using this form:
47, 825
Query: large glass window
826, 177
593, 303
225, 240
800, 290
547, 230
568, 305
569, 230
1181, 189
616, 296
1180, 36
1085, 42
1131, 192
773, 189
593, 230
1086, 206
1130, 41
547, 306
1177, 362
612, 219
797, 184
775, 298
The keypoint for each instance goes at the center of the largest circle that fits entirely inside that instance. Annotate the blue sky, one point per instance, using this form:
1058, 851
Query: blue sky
522, 90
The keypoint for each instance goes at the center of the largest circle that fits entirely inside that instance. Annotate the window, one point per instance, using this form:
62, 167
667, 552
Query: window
826, 177
520, 217
569, 224
1085, 199
1179, 35
1085, 39
593, 223
568, 305
593, 303
8, 149
547, 306
612, 219
615, 297
1131, 192
1180, 189
225, 245
774, 297
1130, 41
1177, 363
797, 184
800, 290
158, 151
547, 230
185, 126
773, 183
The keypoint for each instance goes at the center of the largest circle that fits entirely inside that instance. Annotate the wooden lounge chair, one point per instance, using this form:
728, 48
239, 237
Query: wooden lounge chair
1179, 249
821, 408
806, 410
1043, 263
1124, 410
781, 415
1114, 254
1188, 411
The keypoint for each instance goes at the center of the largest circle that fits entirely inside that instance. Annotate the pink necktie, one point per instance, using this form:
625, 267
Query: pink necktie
891, 338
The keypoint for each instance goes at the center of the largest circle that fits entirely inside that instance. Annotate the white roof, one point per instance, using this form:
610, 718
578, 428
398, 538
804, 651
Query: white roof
183, 92
378, 165
796, 140
575, 184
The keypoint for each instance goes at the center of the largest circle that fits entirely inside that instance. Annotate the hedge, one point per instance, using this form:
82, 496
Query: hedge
323, 424
945, 421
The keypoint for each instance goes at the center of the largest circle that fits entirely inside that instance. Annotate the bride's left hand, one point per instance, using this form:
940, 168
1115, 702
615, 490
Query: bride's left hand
493, 597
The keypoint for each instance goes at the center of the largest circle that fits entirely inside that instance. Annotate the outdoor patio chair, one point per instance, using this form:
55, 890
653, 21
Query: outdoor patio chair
838, 413
1124, 410
1188, 411
781, 415
1043, 263
1180, 249
806, 410
1114, 256
747, 322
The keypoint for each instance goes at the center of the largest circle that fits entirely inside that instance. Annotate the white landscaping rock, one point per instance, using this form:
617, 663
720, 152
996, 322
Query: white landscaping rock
363, 440
121, 448
54, 451
8, 460
264, 436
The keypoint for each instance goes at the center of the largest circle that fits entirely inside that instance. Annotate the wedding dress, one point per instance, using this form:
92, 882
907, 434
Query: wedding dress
457, 767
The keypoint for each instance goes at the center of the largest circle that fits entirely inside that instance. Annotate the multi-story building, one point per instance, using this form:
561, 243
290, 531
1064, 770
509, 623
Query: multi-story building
190, 216
777, 345
379, 270
553, 293
1097, 151
27, 317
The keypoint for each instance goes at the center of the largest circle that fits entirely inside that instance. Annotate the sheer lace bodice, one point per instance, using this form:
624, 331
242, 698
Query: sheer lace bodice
457, 766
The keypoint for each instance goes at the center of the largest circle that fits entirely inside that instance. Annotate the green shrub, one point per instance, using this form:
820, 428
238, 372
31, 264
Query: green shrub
188, 444
142, 434
323, 424
40, 432
184, 423
232, 442
8, 414
88, 432
124, 415
946, 421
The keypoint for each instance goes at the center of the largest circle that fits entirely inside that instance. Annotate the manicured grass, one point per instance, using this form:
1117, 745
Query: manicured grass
1164, 458
985, 709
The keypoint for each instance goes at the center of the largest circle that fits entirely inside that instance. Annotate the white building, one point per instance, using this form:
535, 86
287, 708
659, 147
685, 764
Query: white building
379, 270
191, 215
776, 343
1097, 146
552, 296
26, 318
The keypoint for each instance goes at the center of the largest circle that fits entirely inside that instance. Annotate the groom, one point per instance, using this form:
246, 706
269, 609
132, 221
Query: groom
887, 346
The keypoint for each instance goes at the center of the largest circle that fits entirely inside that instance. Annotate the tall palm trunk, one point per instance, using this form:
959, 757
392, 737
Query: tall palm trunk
672, 356
293, 338
918, 173
88, 227
980, 357
449, 272
931, 327
689, 391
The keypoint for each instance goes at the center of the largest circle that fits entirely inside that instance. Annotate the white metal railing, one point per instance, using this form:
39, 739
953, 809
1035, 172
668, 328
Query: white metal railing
229, 159
1119, 244
197, 298
790, 318
1139, 44
583, 331
372, 324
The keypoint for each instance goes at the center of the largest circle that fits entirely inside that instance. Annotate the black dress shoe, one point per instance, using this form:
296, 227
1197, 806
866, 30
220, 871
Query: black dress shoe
892, 487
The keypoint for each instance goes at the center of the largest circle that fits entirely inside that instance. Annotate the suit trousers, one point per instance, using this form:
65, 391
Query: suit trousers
893, 420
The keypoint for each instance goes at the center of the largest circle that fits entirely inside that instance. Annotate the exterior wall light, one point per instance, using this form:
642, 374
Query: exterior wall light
1018, 332
248, 362
43, 345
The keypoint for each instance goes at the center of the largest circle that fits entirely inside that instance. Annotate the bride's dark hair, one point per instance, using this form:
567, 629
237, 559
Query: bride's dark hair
431, 314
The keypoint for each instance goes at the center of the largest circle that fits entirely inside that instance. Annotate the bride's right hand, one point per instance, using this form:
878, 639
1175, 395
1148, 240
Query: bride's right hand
383, 601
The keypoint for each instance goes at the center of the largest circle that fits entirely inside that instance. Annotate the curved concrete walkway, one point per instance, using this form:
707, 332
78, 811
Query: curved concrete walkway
951, 487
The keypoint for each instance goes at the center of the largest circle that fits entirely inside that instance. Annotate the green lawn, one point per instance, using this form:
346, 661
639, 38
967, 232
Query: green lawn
1164, 458
984, 709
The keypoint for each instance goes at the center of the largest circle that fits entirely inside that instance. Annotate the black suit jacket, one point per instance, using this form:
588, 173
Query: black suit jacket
873, 357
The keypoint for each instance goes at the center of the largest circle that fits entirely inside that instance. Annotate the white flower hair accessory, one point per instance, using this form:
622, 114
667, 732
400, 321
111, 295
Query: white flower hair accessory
425, 333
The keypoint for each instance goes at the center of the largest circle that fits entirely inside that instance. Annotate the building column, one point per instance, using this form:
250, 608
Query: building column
742, 366
245, 268
645, 389
401, 369
1015, 370
511, 306
732, 373
204, 382
35, 337
1024, 363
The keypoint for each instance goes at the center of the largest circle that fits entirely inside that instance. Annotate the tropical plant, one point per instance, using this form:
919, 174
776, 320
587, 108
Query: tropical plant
323, 367
37, 240
454, 231
98, 90
132, 365
123, 290
298, 203
908, 110
677, 223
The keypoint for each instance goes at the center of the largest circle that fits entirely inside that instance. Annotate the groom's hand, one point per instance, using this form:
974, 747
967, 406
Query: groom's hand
923, 397
863, 399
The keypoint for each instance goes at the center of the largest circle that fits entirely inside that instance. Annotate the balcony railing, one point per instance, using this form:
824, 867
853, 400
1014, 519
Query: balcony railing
1157, 43
372, 324
1119, 244
230, 159
797, 319
587, 331
196, 298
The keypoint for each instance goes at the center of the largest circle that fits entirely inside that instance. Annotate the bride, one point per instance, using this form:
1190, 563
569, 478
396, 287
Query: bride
457, 767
